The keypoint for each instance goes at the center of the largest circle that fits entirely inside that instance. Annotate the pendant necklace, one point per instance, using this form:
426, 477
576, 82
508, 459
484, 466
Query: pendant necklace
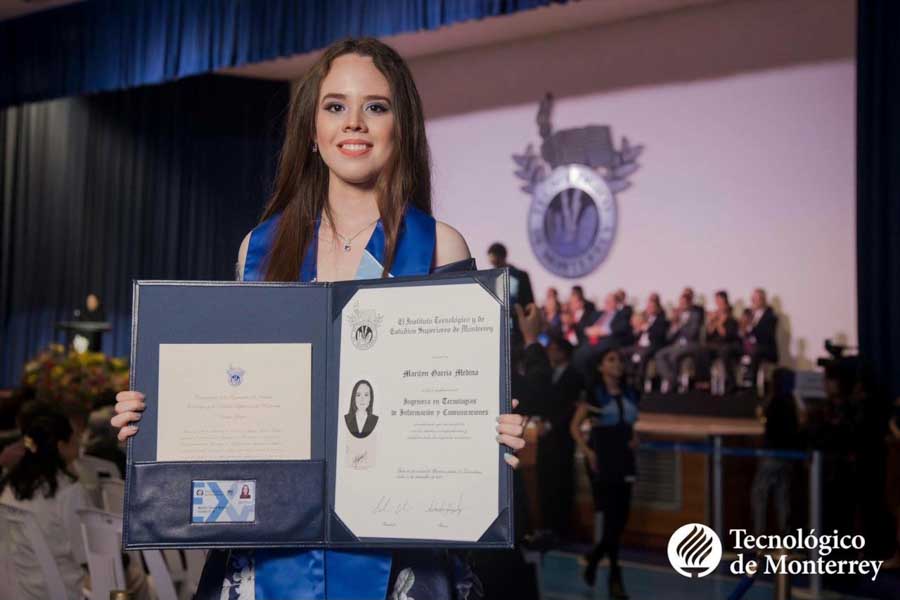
349, 240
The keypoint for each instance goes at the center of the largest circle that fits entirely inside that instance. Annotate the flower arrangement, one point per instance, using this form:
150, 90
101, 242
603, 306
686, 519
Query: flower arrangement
88, 378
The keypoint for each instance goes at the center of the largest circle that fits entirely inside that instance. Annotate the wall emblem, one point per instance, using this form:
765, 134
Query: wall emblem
573, 215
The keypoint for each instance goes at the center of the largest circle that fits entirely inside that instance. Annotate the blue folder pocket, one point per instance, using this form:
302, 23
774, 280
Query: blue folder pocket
287, 499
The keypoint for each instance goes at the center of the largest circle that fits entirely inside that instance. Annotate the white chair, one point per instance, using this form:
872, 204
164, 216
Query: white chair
112, 493
103, 542
8, 585
102, 534
159, 572
195, 560
9, 588
56, 588
91, 472
177, 568
100, 467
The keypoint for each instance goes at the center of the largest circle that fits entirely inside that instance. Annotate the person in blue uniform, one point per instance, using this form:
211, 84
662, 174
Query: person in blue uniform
612, 408
352, 200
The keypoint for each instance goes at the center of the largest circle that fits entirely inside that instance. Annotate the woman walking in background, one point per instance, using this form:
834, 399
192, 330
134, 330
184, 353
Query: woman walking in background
612, 408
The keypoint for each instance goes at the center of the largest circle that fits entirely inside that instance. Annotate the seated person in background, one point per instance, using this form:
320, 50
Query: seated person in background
552, 310
568, 327
583, 313
723, 340
43, 484
649, 328
759, 340
683, 338
610, 330
577, 293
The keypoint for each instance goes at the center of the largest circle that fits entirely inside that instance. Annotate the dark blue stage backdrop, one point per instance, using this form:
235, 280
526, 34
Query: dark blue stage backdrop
158, 182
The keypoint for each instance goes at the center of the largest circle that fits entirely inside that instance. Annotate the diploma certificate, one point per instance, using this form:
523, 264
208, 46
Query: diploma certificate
353, 414
417, 454
234, 402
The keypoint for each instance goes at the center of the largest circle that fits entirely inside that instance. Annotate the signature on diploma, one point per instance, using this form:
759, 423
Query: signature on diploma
446, 507
360, 459
386, 504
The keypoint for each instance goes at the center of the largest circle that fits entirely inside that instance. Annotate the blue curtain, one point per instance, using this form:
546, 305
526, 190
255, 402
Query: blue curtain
878, 188
105, 45
160, 182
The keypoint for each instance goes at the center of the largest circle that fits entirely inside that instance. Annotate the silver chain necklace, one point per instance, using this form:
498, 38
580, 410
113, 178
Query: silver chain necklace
349, 240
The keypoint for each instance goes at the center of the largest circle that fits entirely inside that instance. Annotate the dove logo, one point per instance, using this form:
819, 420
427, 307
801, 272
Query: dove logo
694, 550
573, 215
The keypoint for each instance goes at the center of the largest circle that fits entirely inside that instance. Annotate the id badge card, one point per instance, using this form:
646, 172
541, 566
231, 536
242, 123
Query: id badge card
223, 501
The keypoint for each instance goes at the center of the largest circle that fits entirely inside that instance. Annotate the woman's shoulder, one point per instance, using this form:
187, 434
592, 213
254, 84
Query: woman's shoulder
254, 244
449, 245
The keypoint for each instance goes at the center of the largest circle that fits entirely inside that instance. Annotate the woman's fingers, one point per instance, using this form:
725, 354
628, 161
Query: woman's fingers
126, 395
516, 443
126, 432
512, 460
123, 419
513, 429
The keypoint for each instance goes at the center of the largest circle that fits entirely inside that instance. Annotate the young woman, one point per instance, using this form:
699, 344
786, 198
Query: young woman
612, 408
352, 200
43, 484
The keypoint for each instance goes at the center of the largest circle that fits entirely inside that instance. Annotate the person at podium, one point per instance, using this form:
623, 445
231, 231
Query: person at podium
92, 311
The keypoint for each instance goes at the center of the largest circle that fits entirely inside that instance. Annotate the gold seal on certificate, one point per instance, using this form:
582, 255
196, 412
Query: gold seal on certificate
419, 391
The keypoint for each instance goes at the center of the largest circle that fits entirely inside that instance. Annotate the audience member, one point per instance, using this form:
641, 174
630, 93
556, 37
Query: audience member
556, 448
773, 474
553, 312
649, 328
683, 339
610, 330
723, 340
43, 484
759, 340
519, 283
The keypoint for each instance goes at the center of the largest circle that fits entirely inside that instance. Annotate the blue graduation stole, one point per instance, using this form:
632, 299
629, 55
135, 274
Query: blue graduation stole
288, 574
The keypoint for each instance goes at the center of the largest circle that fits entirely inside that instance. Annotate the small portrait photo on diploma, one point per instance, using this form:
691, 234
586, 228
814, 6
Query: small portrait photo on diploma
361, 419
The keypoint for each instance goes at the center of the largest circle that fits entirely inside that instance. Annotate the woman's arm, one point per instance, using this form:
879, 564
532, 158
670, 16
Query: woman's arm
449, 245
242, 258
582, 413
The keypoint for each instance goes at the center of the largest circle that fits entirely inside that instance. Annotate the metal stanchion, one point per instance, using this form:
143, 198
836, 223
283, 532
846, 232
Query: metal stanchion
782, 580
815, 516
718, 526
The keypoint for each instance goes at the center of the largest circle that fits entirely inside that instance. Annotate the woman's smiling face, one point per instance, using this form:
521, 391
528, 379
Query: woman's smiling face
355, 120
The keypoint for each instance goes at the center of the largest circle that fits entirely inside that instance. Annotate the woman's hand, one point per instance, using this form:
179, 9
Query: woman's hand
591, 457
511, 430
128, 410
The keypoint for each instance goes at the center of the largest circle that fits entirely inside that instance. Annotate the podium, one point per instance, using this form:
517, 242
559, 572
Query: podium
90, 331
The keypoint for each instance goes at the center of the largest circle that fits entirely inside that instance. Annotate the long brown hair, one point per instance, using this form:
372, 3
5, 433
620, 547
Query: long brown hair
301, 183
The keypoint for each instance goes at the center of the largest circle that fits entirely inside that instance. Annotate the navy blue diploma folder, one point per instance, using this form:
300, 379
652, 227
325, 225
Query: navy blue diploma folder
264, 502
